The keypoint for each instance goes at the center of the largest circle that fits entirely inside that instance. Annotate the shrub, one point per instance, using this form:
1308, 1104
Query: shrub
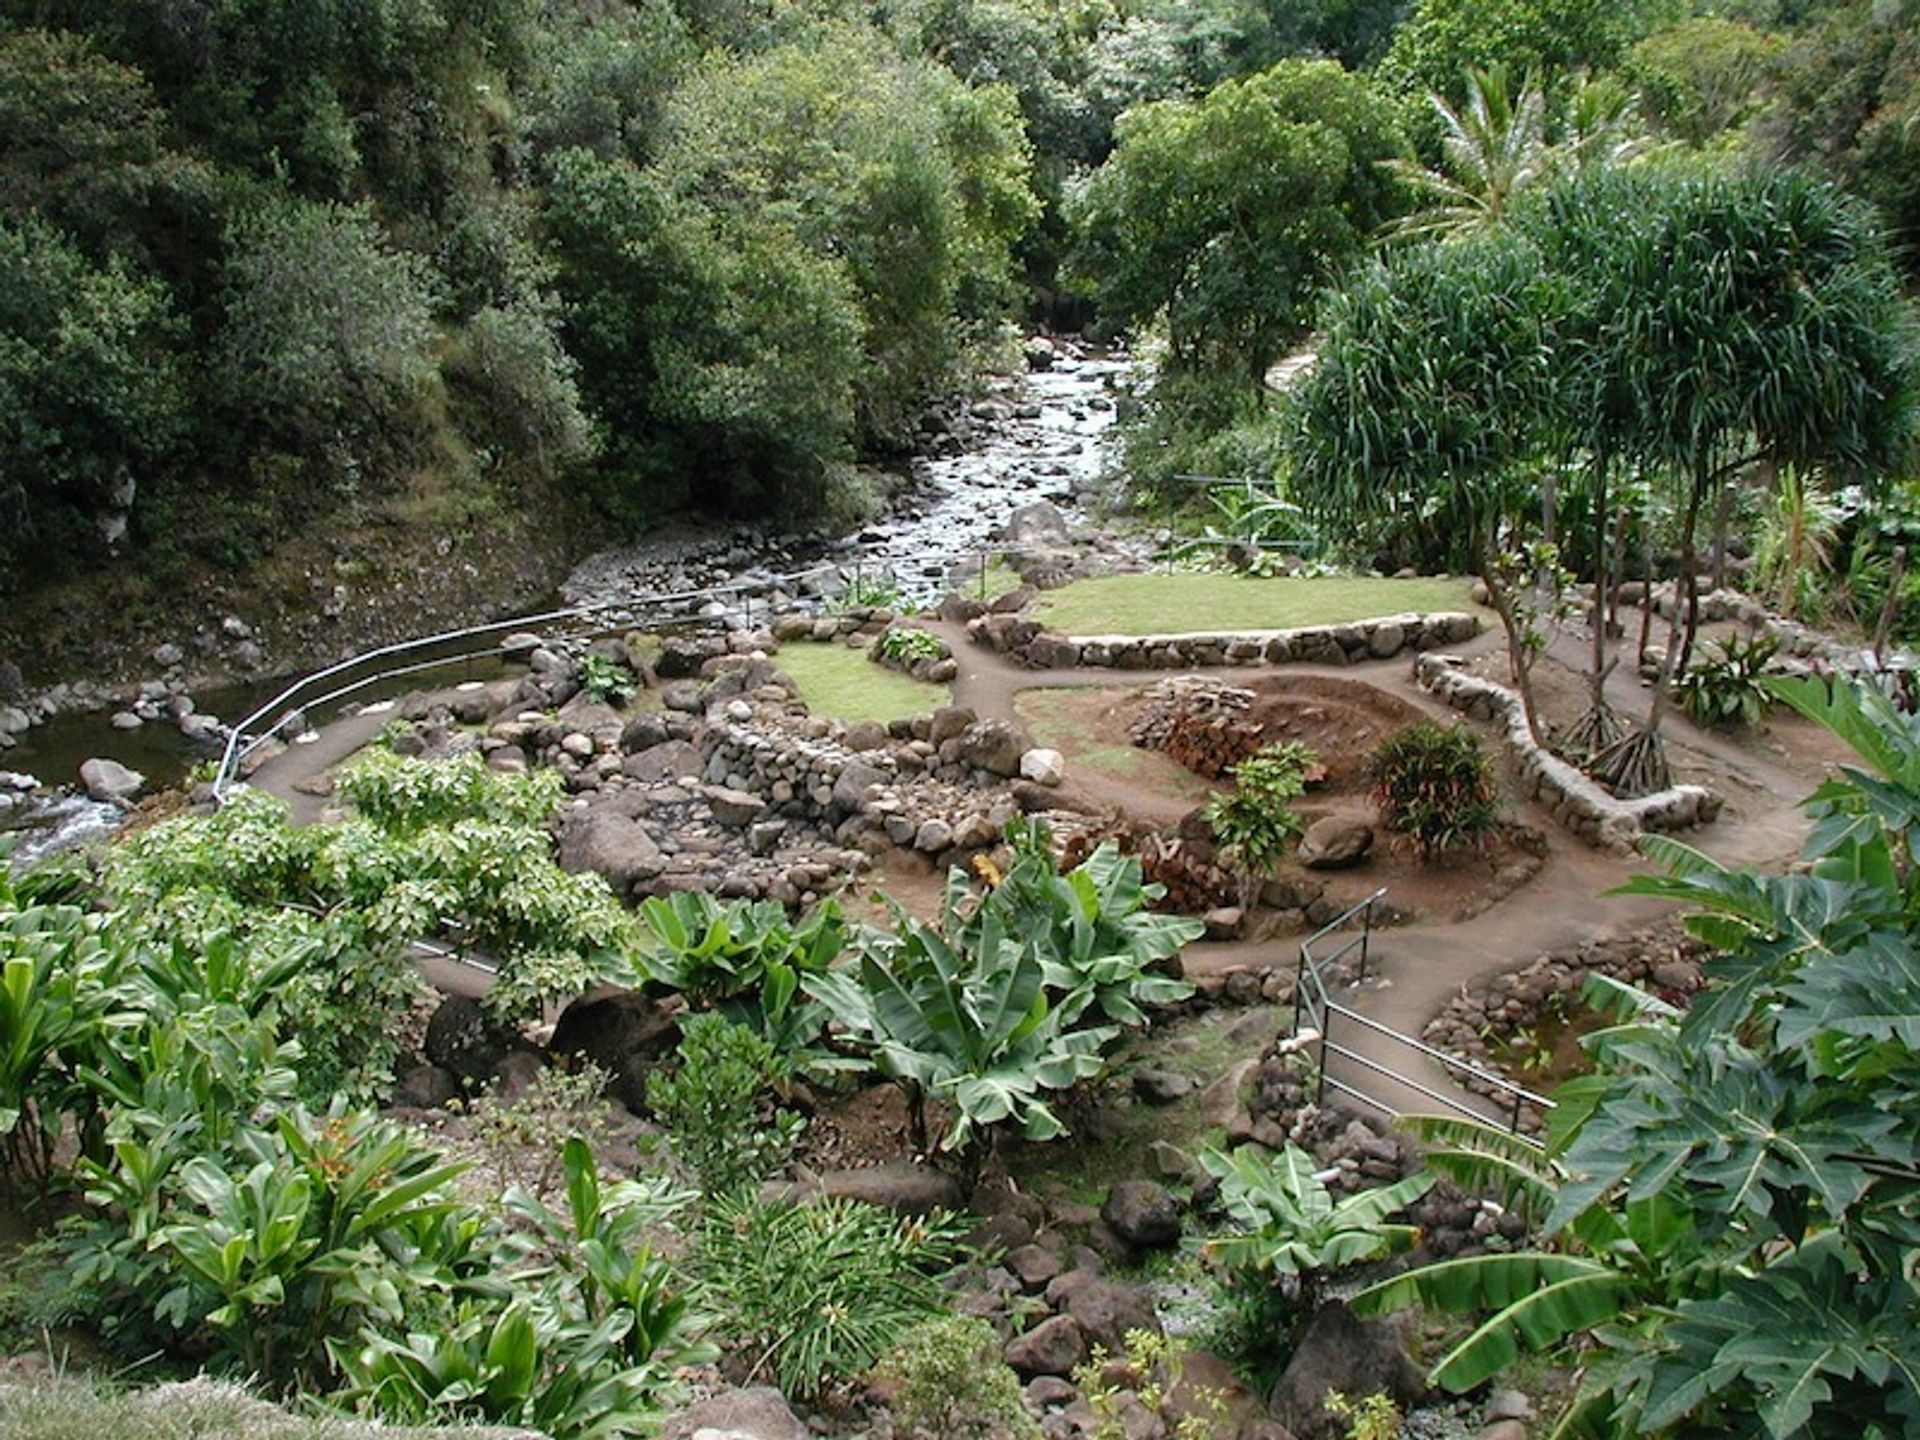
906, 644
1434, 784
1256, 821
515, 1136
606, 680
948, 1382
718, 1107
814, 1294
1725, 690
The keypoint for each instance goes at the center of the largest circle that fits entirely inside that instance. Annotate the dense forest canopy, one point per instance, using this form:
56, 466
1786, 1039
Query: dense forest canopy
264, 259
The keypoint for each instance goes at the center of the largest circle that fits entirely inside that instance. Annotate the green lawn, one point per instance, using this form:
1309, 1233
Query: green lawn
1211, 601
839, 681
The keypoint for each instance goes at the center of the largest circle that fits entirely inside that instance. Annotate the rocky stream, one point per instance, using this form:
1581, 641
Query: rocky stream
75, 756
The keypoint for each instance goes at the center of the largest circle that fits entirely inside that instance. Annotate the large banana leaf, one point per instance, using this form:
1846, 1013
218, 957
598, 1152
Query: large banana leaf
1537, 1300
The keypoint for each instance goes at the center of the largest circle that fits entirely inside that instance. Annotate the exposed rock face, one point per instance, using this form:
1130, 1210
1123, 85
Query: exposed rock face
1335, 842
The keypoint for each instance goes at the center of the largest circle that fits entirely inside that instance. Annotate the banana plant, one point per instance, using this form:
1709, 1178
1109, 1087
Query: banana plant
747, 960
970, 1026
1102, 950
1290, 1224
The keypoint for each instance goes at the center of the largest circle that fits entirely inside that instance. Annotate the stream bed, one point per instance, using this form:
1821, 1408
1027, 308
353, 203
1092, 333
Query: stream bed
1043, 435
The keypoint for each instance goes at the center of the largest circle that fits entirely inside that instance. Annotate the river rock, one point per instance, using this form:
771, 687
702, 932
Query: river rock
1056, 1346
610, 843
14, 720
1040, 523
168, 655
109, 781
1043, 767
735, 808
1342, 1352
994, 746
1143, 1213
1335, 842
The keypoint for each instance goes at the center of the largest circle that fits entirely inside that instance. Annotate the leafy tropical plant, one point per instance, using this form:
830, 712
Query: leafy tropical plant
1255, 822
746, 959
592, 1326
1103, 952
1291, 1230
1793, 559
1729, 1203
606, 679
967, 1024
1434, 784
718, 1106
906, 644
1727, 689
811, 1294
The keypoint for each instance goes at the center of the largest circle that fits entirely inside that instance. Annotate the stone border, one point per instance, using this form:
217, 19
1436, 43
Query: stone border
1382, 638
1578, 803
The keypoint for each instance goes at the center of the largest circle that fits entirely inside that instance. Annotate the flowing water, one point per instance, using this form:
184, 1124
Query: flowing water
1041, 436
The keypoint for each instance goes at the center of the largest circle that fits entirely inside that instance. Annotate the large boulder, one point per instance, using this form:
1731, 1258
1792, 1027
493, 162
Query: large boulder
1335, 842
995, 746
623, 1032
612, 843
850, 790
669, 760
111, 782
1040, 523
463, 1041
758, 1412
1143, 1213
1340, 1351
1043, 767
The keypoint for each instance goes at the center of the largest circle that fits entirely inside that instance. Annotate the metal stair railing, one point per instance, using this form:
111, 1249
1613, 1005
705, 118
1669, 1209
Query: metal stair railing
1315, 1010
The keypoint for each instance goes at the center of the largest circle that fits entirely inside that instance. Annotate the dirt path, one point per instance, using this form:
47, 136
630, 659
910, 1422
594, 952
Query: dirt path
1416, 969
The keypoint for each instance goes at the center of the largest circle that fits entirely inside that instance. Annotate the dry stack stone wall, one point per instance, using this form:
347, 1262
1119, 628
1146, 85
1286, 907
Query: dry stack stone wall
1577, 802
1028, 642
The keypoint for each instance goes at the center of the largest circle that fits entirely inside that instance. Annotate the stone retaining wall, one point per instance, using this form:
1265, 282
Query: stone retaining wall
1026, 641
1577, 802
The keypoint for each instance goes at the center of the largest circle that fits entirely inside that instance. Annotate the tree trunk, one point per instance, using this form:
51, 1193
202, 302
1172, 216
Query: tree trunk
1520, 655
1685, 619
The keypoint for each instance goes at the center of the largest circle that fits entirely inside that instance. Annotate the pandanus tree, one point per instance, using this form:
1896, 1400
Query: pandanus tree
1429, 405
1731, 321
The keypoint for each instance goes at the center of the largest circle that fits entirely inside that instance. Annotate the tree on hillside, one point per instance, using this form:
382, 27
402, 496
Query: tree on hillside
89, 397
1445, 40
1225, 216
1432, 405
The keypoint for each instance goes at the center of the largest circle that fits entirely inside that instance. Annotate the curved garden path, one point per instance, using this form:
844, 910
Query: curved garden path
1423, 965
1417, 967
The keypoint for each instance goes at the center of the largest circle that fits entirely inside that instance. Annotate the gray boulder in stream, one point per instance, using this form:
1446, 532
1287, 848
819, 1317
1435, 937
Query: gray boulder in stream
111, 782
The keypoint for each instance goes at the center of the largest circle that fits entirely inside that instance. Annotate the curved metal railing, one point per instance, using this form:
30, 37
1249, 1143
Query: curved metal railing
288, 707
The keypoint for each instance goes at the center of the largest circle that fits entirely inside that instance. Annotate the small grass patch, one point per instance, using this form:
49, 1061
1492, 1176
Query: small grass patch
1056, 718
1212, 601
839, 681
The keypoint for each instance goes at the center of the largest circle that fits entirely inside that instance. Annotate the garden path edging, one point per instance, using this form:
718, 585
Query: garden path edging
1577, 802
1029, 643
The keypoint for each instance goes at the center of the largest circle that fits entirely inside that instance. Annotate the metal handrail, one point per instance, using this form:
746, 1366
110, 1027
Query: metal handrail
296, 696
1310, 983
